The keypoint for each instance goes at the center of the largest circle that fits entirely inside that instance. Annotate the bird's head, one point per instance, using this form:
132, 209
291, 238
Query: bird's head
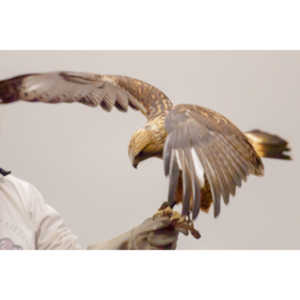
138, 145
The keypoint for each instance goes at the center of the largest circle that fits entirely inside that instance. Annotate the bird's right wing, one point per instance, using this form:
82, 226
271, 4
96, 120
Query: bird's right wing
87, 88
203, 144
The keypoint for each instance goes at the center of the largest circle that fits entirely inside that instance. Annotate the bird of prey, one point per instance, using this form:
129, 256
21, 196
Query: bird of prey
204, 154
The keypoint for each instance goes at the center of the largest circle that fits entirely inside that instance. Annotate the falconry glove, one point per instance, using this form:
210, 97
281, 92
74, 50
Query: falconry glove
156, 233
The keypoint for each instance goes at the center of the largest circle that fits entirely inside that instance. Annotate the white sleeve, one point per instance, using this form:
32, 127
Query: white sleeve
50, 230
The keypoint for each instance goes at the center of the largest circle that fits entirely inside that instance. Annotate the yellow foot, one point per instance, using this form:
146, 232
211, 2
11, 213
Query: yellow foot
182, 223
164, 212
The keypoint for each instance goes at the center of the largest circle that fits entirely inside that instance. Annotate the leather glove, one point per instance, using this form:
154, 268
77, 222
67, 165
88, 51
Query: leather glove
156, 233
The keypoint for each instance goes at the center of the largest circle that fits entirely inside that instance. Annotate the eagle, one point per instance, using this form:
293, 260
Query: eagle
205, 156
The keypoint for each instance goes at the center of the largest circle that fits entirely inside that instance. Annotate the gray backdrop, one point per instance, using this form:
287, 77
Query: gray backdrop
77, 155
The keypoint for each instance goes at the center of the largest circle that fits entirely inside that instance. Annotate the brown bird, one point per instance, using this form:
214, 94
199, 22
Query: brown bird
205, 156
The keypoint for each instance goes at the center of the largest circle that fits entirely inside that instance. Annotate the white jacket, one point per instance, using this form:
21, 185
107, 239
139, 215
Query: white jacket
27, 221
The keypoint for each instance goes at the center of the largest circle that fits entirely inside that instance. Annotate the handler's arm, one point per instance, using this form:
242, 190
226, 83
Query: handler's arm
51, 232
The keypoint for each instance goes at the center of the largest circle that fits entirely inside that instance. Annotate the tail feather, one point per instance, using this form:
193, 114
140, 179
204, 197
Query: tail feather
268, 145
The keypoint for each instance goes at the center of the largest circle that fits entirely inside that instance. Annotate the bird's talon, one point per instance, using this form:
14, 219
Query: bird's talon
165, 205
183, 224
164, 212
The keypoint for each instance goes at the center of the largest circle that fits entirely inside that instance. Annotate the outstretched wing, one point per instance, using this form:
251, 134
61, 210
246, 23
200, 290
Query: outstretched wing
87, 88
205, 145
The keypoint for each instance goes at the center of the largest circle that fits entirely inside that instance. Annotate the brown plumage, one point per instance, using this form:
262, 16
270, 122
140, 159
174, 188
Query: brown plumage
205, 156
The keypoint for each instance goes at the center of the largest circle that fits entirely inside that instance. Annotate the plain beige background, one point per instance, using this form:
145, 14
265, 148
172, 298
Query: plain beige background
77, 155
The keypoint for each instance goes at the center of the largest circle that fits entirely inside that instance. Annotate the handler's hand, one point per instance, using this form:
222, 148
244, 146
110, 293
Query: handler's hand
154, 233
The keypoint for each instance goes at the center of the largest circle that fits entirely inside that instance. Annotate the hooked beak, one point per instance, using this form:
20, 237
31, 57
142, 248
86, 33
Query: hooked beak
133, 161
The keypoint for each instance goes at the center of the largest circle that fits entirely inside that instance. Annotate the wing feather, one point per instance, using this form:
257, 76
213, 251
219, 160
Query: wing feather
212, 170
231, 176
174, 177
187, 183
197, 180
236, 173
222, 170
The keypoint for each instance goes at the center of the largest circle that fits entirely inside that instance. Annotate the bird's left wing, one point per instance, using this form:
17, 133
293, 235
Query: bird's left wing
204, 145
91, 89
